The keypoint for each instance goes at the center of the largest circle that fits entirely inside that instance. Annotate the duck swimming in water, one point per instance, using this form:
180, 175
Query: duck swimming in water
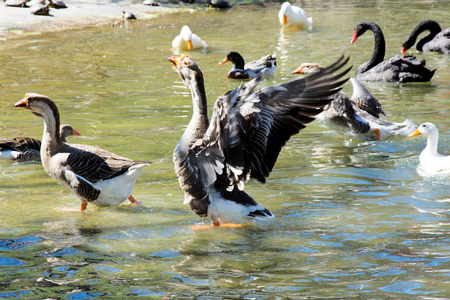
267, 66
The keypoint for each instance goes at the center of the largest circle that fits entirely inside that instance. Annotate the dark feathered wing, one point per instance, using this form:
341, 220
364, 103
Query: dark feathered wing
248, 129
94, 164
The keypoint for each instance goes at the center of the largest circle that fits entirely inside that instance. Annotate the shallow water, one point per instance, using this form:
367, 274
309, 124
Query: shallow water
353, 218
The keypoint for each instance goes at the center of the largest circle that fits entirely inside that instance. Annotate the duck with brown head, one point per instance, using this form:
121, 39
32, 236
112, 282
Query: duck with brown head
96, 176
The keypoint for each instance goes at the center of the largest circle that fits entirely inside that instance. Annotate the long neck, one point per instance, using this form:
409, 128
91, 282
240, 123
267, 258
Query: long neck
380, 47
432, 143
51, 139
430, 25
199, 121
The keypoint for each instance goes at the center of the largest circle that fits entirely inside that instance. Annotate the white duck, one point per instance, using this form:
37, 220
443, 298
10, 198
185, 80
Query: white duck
94, 175
187, 40
247, 130
293, 16
25, 148
358, 116
431, 162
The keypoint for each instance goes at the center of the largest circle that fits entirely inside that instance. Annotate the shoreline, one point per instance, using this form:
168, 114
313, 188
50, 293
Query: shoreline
18, 21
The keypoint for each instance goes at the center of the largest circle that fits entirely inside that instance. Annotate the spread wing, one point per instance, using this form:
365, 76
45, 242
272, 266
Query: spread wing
248, 129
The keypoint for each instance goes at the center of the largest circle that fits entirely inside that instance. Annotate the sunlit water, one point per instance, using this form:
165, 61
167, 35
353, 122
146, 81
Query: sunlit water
353, 218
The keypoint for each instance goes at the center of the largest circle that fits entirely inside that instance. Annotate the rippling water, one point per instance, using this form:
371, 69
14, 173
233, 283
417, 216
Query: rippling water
353, 218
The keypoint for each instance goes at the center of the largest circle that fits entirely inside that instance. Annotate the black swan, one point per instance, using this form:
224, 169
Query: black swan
399, 68
437, 40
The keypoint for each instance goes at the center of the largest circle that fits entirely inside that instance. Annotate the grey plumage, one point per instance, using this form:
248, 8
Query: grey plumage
247, 131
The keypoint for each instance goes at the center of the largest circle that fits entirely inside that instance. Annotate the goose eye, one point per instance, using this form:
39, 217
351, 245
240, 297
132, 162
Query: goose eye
185, 63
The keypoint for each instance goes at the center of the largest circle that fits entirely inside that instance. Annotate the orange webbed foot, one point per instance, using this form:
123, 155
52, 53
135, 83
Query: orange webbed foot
377, 134
134, 201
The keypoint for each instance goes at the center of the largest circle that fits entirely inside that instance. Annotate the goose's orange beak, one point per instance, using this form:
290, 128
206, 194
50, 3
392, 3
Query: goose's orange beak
225, 60
284, 20
404, 50
75, 132
22, 103
299, 70
415, 133
176, 59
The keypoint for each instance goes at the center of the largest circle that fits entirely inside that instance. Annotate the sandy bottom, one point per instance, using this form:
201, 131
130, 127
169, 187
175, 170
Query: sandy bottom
16, 21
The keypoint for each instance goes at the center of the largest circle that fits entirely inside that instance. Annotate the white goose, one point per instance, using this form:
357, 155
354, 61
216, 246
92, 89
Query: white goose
25, 148
293, 16
431, 162
94, 175
187, 40
246, 133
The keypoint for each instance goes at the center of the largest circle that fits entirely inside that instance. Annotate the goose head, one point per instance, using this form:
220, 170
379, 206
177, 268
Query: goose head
39, 105
308, 68
186, 68
67, 130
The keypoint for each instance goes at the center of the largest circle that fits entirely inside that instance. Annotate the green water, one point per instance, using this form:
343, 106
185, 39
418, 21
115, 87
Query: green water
353, 218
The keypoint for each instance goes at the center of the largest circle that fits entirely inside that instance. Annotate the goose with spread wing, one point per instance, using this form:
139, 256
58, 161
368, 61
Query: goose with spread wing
358, 116
247, 130
398, 68
25, 148
96, 176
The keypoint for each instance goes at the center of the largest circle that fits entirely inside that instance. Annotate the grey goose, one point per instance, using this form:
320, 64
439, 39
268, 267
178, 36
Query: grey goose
358, 116
96, 176
214, 158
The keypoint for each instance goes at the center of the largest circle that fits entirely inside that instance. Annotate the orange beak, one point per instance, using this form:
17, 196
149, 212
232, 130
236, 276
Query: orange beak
76, 132
415, 133
22, 103
354, 37
284, 20
176, 59
404, 50
299, 70
189, 44
225, 60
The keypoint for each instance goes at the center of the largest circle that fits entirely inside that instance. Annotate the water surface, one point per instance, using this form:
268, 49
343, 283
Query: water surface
353, 218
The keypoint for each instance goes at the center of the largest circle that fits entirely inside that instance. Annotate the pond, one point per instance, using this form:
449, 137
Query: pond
353, 218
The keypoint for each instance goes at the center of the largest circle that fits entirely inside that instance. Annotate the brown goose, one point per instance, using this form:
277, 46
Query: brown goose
359, 116
25, 148
94, 175
398, 68
247, 130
